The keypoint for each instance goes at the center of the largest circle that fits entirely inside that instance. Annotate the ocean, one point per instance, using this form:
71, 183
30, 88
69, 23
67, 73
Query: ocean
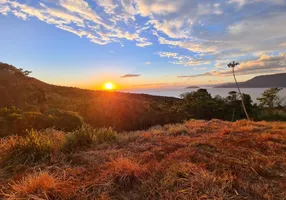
175, 92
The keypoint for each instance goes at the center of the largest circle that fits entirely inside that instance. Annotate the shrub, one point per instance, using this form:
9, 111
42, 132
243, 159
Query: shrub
4, 112
274, 115
33, 148
33, 120
68, 121
176, 129
31, 108
82, 137
47, 121
13, 117
53, 112
106, 135
86, 136
3, 127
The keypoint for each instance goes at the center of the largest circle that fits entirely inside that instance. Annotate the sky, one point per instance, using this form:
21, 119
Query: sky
143, 43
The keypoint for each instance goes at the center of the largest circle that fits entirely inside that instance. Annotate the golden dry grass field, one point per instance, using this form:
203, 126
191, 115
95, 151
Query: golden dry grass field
194, 160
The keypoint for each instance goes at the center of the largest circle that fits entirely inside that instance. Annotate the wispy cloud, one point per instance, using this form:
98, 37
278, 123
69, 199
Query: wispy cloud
142, 42
130, 75
182, 59
4, 9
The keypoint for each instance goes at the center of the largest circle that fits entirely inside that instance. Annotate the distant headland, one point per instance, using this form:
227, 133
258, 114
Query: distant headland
192, 87
264, 81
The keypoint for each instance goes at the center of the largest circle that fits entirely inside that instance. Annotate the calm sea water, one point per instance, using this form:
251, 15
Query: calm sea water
175, 92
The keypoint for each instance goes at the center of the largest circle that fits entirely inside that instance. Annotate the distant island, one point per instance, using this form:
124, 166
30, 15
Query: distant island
264, 81
192, 87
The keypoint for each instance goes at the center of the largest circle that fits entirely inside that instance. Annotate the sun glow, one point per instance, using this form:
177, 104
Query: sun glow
109, 86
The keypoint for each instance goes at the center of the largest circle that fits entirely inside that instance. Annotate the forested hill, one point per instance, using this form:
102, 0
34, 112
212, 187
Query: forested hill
264, 81
18, 89
123, 111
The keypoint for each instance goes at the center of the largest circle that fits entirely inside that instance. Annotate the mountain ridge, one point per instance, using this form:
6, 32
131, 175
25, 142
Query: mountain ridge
263, 81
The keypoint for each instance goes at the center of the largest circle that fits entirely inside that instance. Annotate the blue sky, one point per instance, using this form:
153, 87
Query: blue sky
143, 43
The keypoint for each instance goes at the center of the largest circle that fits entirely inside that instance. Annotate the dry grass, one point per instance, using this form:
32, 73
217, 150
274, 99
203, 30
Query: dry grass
125, 172
34, 186
194, 160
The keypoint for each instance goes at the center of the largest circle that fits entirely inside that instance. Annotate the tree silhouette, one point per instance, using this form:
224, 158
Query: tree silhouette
25, 72
233, 65
270, 98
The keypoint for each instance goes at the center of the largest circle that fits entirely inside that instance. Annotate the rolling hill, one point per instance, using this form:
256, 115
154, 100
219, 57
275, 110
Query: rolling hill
264, 81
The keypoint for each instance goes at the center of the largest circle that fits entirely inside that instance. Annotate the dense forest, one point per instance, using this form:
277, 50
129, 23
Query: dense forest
27, 103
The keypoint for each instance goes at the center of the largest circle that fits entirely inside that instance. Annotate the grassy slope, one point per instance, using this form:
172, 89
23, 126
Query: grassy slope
194, 160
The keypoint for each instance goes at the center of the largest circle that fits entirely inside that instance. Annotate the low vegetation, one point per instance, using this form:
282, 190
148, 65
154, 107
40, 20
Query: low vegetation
29, 150
196, 159
87, 136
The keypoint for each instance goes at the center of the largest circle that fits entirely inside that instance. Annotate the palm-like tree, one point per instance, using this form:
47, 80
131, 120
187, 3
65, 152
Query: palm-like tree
233, 65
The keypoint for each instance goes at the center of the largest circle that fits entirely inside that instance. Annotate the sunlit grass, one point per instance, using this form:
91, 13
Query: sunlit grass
37, 184
193, 160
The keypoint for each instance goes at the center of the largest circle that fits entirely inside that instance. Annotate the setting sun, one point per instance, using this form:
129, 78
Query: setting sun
108, 86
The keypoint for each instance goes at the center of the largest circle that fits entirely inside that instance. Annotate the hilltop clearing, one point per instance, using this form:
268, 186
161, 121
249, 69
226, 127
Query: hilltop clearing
194, 160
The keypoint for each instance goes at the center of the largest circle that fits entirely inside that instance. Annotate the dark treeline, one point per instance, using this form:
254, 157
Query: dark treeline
201, 105
27, 103
124, 114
